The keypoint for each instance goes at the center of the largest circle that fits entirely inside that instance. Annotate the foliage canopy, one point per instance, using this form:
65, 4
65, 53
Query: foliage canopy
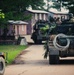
20, 5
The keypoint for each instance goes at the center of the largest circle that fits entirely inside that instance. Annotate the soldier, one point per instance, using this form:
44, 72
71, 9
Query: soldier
58, 21
71, 18
70, 15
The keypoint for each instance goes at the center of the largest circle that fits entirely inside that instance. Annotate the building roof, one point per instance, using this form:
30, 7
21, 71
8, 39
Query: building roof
37, 11
58, 13
62, 11
17, 22
42, 11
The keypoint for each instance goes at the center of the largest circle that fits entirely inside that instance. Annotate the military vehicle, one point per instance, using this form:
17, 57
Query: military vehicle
2, 63
2, 55
40, 31
62, 44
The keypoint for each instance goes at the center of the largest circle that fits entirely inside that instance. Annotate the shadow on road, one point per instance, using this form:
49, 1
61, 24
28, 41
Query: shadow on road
67, 62
37, 62
31, 43
46, 63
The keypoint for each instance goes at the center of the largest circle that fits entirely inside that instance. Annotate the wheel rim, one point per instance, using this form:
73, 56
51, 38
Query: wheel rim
1, 66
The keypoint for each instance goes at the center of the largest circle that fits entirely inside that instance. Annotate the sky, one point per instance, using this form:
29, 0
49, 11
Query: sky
55, 10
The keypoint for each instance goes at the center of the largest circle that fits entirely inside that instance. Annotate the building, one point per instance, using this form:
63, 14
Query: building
35, 16
60, 15
13, 30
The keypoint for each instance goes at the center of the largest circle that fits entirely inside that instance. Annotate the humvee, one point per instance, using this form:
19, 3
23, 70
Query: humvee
40, 31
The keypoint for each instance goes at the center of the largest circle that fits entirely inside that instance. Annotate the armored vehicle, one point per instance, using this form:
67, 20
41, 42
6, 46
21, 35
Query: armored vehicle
40, 31
62, 42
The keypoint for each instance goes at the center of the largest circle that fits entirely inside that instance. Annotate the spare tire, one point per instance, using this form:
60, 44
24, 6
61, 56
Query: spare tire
58, 46
2, 65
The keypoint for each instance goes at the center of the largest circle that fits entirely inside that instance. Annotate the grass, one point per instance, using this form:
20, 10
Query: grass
12, 51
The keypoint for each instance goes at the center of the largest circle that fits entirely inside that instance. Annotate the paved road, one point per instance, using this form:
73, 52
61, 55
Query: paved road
35, 64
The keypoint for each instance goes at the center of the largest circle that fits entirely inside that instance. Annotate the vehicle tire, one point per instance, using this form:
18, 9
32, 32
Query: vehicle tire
53, 59
39, 41
34, 37
2, 66
35, 41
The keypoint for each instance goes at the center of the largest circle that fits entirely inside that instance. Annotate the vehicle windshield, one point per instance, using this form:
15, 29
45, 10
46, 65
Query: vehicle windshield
41, 25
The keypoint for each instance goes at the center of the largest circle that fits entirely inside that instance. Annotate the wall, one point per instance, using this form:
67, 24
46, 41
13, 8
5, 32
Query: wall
20, 30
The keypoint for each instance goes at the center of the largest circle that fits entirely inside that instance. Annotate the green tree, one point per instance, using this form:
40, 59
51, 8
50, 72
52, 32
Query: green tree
2, 19
55, 4
14, 9
69, 4
20, 5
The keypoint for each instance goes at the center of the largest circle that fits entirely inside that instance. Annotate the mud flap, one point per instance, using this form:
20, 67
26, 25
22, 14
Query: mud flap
53, 57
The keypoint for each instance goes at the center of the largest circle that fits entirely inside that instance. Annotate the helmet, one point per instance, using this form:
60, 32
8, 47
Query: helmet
70, 15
